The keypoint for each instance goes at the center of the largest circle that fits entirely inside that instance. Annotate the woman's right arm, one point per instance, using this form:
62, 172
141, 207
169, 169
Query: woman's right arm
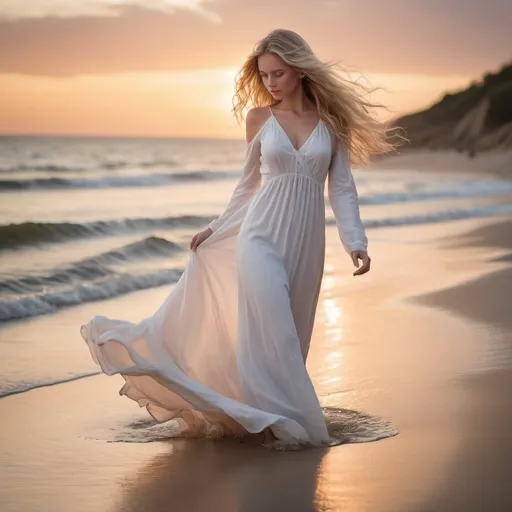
251, 177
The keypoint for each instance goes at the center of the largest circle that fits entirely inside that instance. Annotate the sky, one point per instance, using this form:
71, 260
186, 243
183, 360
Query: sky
166, 67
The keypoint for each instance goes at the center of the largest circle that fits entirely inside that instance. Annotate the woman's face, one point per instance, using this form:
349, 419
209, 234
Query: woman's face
279, 78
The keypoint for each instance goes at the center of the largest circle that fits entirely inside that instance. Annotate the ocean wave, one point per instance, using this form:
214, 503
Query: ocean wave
144, 180
7, 389
79, 293
105, 165
152, 246
43, 168
30, 233
429, 218
92, 268
476, 189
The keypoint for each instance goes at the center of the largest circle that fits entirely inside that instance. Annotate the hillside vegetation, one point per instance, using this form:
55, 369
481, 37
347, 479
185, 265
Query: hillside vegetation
476, 119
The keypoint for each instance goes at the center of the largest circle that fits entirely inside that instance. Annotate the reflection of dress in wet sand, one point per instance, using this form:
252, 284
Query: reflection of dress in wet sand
225, 353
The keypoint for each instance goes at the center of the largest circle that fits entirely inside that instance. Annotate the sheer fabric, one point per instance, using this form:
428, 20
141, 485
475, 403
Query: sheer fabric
225, 353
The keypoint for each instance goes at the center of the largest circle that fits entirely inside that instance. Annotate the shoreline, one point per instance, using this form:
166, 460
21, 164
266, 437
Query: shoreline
480, 477
486, 298
406, 346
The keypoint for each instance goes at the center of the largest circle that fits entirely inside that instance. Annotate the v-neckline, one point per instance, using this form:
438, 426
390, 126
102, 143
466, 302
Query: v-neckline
287, 136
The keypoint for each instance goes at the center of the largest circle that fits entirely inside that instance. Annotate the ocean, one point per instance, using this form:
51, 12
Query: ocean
88, 225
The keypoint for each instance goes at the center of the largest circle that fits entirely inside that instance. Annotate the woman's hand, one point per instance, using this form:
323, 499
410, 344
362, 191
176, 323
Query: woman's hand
363, 256
199, 238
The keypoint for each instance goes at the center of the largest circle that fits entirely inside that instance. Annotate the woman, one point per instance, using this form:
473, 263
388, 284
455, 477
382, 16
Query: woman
225, 354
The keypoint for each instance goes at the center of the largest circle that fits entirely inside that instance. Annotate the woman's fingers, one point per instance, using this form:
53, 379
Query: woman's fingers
365, 267
199, 238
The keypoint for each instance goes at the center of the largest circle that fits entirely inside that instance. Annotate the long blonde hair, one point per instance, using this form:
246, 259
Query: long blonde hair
340, 102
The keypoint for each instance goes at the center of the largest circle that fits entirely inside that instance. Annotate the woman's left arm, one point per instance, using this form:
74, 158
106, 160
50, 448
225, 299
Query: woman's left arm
344, 201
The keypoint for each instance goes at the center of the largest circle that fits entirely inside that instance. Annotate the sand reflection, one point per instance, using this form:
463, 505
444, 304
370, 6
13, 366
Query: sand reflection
198, 475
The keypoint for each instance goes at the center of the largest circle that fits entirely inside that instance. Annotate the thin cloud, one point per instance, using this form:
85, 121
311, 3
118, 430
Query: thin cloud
16, 10
396, 36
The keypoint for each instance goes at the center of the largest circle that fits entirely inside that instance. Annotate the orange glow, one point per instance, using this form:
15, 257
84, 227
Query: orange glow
176, 104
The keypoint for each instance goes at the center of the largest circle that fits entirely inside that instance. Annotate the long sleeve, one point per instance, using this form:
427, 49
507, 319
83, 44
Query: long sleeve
344, 202
247, 185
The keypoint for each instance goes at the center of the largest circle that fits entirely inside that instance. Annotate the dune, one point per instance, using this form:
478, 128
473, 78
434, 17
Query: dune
474, 120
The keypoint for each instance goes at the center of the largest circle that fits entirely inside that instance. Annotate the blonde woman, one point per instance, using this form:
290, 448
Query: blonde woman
225, 354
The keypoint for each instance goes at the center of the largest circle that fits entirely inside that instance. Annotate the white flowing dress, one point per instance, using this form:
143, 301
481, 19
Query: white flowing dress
225, 353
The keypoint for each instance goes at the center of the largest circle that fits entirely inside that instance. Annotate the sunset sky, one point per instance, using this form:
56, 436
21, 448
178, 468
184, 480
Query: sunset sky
166, 67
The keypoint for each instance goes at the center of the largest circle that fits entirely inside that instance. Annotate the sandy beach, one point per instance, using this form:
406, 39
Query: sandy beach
129, 127
424, 341
498, 162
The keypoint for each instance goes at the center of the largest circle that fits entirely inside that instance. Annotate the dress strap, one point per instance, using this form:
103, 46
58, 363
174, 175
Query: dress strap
271, 113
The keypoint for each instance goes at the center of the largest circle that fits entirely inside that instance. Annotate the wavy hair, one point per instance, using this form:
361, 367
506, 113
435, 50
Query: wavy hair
341, 103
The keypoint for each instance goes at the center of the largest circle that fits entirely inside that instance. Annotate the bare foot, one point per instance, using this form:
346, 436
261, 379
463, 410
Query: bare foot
268, 436
264, 437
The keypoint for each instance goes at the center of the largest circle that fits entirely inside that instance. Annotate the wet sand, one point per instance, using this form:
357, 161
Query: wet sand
437, 365
480, 479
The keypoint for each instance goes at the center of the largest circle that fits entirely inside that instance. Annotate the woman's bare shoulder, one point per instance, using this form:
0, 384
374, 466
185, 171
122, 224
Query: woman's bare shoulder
255, 119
